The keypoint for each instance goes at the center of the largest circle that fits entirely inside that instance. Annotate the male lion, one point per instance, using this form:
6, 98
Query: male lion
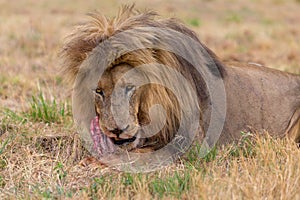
257, 98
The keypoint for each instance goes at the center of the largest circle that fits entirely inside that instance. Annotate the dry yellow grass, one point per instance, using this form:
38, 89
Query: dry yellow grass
40, 155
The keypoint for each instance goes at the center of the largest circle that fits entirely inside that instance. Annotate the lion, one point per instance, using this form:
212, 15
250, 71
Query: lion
257, 98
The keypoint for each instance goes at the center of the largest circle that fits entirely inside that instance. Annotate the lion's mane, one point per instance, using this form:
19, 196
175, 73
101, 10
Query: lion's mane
82, 43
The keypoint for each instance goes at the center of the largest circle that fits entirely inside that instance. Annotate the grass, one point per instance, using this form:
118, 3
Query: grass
173, 186
50, 172
195, 22
4, 144
41, 152
234, 18
43, 110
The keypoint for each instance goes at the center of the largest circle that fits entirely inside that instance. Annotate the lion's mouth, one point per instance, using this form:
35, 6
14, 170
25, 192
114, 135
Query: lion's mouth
103, 144
123, 141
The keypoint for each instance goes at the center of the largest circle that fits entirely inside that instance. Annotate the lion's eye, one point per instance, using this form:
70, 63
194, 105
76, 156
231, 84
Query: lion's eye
129, 89
99, 92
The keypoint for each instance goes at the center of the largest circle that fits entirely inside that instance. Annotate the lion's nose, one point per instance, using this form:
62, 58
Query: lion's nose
118, 131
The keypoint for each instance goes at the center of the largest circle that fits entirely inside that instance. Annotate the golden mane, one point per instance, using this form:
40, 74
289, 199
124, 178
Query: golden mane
80, 43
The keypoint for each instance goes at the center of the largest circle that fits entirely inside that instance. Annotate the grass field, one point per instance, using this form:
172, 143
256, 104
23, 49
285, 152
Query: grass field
40, 151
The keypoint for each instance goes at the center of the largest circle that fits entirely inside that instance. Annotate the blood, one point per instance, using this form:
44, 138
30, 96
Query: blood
101, 143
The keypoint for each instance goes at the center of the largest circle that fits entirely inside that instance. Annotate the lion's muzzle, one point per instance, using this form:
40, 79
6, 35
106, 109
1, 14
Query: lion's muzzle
103, 144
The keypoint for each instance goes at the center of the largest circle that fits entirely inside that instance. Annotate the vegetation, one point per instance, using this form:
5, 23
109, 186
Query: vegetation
41, 152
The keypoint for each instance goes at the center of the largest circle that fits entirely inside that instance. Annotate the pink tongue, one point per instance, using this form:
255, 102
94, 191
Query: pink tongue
102, 144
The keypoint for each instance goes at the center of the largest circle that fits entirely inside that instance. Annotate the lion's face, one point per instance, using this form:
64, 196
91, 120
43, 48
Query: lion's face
112, 103
124, 110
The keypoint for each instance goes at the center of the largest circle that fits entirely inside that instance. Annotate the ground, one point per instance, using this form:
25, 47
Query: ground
40, 151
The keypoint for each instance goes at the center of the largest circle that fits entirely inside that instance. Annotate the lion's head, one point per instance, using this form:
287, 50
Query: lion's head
125, 131
123, 107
